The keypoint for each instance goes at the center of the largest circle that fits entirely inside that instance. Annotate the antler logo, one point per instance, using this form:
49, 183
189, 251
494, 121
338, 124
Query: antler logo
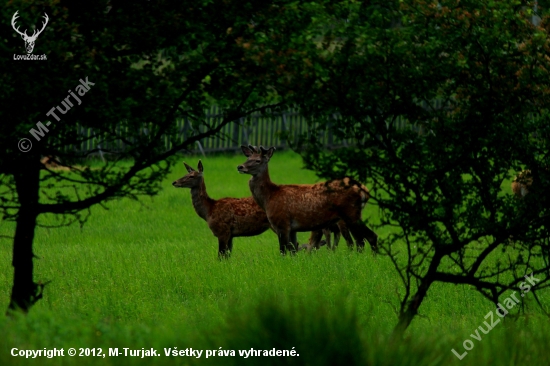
29, 41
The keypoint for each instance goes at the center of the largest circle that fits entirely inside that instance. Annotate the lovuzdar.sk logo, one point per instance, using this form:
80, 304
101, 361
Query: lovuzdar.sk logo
29, 40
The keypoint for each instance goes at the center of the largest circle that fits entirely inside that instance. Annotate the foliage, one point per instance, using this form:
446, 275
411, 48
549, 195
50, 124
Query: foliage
143, 276
471, 80
149, 63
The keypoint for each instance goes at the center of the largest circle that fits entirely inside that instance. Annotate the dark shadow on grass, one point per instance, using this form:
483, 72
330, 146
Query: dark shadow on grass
321, 334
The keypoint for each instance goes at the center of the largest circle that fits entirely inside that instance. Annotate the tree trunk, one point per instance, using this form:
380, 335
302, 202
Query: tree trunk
411, 309
25, 292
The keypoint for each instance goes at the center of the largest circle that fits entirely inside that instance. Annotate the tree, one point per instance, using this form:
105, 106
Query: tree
441, 103
131, 70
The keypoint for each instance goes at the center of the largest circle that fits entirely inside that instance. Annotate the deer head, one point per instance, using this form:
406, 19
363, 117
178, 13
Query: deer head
192, 179
257, 159
29, 40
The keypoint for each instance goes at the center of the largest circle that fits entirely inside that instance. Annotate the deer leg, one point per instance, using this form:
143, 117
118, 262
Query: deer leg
284, 239
345, 233
315, 239
327, 233
337, 235
372, 238
293, 243
310, 241
230, 245
223, 247
361, 233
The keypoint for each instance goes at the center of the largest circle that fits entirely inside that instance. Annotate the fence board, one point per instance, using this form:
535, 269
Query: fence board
256, 129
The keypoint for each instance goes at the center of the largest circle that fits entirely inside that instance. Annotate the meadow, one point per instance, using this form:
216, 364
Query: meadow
146, 275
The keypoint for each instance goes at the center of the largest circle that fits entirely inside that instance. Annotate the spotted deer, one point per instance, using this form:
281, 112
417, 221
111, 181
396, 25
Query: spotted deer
227, 217
296, 208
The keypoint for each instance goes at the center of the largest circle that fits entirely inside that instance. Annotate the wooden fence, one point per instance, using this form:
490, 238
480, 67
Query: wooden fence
257, 129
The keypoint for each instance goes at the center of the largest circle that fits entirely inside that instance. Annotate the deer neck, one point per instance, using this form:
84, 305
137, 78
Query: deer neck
262, 187
201, 201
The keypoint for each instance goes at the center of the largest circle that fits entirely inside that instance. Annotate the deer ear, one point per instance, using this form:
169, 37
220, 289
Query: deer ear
189, 169
247, 151
201, 168
267, 153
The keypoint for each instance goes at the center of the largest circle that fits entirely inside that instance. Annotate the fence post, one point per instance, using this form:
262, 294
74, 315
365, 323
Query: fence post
285, 129
329, 132
235, 137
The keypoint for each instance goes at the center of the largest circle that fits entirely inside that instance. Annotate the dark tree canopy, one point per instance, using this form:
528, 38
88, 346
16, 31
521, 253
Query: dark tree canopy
441, 103
144, 64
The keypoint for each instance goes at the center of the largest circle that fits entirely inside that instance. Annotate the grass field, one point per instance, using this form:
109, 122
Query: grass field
147, 276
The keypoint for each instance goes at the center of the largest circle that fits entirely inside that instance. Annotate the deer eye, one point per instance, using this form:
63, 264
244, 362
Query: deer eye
258, 161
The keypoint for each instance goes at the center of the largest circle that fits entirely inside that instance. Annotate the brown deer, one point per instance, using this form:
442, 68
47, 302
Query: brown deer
293, 208
521, 183
227, 217
50, 162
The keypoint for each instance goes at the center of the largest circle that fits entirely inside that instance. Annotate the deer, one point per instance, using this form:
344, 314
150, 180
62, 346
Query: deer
339, 229
50, 162
521, 183
29, 40
227, 218
306, 207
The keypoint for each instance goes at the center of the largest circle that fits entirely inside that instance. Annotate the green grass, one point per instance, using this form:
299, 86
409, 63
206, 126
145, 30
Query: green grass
147, 275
